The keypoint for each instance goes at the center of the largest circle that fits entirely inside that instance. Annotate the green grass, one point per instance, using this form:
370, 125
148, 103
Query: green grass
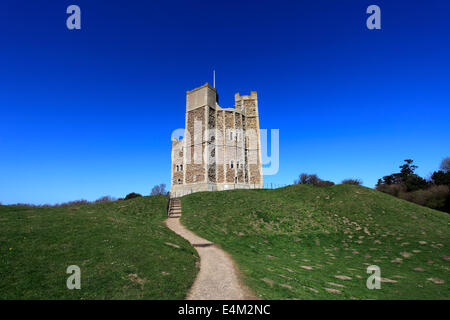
123, 248
338, 231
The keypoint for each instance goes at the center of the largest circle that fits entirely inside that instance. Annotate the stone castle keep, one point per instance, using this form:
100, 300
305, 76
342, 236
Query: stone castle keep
221, 147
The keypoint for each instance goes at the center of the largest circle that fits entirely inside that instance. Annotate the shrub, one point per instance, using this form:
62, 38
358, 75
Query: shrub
435, 197
356, 182
132, 196
392, 189
324, 183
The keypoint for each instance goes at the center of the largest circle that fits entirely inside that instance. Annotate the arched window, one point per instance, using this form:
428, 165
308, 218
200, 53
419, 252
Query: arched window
178, 168
235, 179
231, 164
237, 164
181, 167
179, 181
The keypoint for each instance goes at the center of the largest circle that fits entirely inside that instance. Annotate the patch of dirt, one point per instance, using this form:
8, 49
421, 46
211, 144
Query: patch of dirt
405, 254
286, 286
333, 290
388, 280
172, 245
436, 280
343, 277
336, 284
134, 278
306, 267
268, 281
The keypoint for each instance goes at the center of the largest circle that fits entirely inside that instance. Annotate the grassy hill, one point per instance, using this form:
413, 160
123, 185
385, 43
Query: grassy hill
316, 243
123, 248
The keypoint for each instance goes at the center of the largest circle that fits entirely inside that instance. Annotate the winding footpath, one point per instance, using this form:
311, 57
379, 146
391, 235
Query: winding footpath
218, 278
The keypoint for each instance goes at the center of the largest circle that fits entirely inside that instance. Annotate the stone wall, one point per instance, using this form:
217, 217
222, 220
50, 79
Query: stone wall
195, 144
177, 161
220, 145
211, 150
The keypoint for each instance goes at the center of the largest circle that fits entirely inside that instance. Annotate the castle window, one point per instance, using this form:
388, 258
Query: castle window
231, 135
235, 179
181, 167
178, 168
237, 164
179, 181
231, 164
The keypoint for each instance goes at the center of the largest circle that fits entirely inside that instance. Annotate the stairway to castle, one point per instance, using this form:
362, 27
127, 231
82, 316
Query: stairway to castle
174, 208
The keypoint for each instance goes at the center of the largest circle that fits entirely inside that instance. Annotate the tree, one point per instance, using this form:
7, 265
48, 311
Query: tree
159, 190
302, 179
445, 164
405, 177
305, 178
441, 178
407, 169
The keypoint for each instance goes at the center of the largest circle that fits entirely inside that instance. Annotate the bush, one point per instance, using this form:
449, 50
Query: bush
392, 189
325, 183
132, 196
356, 182
435, 197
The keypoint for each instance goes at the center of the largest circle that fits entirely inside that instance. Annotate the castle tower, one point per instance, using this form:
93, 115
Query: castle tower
217, 152
249, 107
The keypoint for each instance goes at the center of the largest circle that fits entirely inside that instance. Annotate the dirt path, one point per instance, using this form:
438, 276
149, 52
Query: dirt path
218, 278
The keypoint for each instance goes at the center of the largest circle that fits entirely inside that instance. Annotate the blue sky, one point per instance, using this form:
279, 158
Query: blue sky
90, 112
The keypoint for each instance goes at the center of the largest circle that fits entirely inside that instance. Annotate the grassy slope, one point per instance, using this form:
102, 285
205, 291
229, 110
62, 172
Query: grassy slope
120, 247
337, 230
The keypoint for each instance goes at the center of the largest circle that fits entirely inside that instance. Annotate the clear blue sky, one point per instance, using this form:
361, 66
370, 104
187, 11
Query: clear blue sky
89, 113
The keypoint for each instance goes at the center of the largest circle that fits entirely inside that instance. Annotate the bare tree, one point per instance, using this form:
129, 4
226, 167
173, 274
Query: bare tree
159, 190
445, 164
